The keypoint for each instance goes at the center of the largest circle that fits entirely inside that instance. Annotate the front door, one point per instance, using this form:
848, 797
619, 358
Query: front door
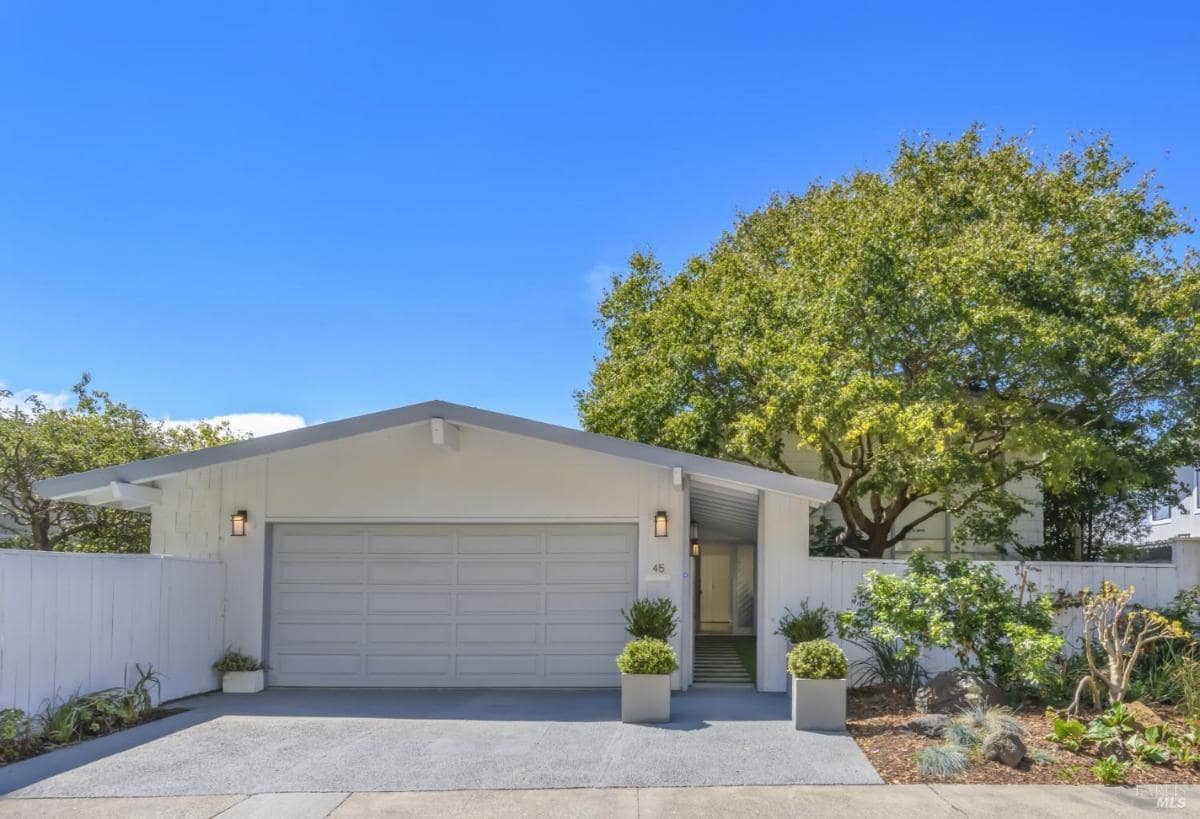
716, 603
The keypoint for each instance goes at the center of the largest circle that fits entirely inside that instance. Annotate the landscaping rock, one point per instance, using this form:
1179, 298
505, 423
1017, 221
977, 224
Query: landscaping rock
1143, 715
1007, 749
952, 691
927, 725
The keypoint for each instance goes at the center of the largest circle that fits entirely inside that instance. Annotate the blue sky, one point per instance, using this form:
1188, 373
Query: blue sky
327, 209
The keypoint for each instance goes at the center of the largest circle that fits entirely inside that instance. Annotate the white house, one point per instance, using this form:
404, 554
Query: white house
441, 545
1181, 520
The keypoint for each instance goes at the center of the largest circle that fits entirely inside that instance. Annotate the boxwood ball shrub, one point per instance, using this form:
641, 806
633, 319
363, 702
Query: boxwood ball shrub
817, 660
647, 655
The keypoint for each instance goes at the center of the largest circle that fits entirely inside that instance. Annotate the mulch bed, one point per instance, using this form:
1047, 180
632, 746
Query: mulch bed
874, 720
44, 746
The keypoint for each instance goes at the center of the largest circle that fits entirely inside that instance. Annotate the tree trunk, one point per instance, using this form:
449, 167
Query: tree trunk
39, 533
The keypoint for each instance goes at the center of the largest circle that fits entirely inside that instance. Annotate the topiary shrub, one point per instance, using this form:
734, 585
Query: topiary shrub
817, 660
651, 617
647, 656
233, 660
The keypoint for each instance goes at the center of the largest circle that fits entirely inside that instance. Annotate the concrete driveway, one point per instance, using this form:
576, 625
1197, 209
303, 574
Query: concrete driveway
345, 740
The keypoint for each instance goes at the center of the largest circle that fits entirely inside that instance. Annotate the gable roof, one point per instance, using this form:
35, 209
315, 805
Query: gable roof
83, 483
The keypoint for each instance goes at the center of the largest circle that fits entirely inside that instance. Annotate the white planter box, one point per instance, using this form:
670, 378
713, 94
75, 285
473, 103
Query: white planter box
243, 682
645, 698
819, 705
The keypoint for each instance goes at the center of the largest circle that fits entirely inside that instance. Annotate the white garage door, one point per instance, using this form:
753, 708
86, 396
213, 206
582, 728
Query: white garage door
430, 605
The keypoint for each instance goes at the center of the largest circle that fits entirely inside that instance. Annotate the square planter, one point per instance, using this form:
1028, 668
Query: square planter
645, 698
819, 705
243, 682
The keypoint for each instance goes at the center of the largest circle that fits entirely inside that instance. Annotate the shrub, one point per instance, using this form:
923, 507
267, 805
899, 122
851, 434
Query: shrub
656, 618
1110, 771
1114, 636
942, 761
809, 624
1002, 633
233, 660
16, 734
888, 666
817, 660
647, 655
1067, 732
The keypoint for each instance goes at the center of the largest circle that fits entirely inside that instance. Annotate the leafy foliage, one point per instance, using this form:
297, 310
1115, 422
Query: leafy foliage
817, 660
887, 665
16, 734
652, 617
1067, 732
233, 660
975, 316
1002, 633
809, 624
1110, 771
647, 655
37, 441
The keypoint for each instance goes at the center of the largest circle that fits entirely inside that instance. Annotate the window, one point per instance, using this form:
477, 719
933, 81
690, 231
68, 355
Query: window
1160, 512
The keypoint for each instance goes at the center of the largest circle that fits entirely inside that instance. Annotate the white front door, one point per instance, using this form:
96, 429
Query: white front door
441, 605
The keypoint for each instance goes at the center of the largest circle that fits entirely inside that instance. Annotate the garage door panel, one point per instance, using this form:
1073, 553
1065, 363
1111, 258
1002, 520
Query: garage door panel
573, 634
588, 544
327, 635
503, 544
411, 572
607, 603
498, 664
424, 664
314, 602
589, 571
499, 602
599, 664
411, 544
320, 544
527, 634
294, 570
408, 602
449, 605
379, 634
324, 663
489, 572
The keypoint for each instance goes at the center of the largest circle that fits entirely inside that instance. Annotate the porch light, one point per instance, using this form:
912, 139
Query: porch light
238, 521
660, 523
695, 548
694, 536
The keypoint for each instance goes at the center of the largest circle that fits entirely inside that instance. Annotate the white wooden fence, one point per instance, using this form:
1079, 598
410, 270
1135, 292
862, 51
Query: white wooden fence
832, 583
72, 621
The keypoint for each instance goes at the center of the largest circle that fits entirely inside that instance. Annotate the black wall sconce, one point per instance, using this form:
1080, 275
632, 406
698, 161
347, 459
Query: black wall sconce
660, 524
238, 523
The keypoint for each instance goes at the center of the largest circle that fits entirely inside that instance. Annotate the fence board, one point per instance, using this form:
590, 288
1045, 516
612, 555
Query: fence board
82, 621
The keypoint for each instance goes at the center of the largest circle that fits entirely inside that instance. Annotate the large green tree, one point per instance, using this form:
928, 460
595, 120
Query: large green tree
975, 315
38, 441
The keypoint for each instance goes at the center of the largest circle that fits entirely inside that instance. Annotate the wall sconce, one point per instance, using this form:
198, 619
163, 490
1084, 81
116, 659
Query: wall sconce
660, 524
694, 536
695, 548
238, 521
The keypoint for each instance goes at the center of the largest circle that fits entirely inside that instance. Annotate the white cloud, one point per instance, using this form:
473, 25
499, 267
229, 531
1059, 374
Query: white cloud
53, 400
253, 423
597, 280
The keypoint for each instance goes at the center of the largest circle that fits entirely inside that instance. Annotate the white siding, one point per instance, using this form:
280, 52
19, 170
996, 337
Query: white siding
82, 621
397, 475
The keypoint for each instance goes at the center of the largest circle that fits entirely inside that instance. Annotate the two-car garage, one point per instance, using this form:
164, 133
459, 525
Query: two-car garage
448, 605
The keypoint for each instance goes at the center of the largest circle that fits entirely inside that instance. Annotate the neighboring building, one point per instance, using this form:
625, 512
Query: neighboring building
935, 535
1182, 520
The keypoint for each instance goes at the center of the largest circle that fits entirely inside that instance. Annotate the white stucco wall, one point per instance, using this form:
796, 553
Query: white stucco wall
398, 475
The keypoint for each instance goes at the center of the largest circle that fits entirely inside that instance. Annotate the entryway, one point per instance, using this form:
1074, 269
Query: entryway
723, 552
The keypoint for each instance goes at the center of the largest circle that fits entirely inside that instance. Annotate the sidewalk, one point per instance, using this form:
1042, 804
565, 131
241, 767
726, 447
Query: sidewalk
892, 801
